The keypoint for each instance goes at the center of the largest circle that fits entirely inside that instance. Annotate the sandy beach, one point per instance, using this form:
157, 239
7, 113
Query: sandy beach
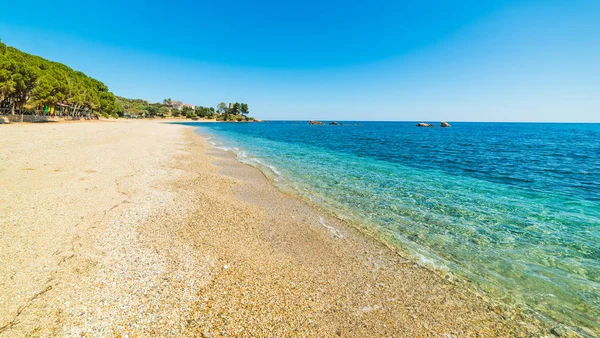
141, 228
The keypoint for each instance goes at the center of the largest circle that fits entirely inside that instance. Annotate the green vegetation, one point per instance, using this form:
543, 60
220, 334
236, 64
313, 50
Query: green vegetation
236, 112
30, 84
136, 108
168, 108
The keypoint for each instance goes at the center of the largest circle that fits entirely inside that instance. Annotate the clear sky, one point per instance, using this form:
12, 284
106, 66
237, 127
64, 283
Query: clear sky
461, 60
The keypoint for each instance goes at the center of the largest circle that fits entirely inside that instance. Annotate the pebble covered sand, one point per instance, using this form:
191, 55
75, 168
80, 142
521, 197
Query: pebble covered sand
141, 228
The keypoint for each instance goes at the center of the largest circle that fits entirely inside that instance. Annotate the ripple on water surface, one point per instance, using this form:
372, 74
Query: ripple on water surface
515, 208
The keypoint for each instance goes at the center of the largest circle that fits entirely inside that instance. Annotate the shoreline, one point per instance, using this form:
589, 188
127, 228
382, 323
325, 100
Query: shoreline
362, 237
312, 189
144, 228
442, 272
371, 234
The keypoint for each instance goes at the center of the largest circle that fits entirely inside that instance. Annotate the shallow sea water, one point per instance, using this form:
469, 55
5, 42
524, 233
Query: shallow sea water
512, 207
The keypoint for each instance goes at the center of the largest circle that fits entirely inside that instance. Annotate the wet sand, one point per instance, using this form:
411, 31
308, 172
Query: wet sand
139, 227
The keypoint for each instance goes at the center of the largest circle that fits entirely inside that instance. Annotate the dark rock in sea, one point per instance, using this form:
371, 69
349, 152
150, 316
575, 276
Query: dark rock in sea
445, 124
424, 124
334, 123
315, 122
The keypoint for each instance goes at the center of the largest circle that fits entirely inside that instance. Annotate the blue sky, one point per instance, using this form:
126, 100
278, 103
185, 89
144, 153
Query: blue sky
339, 60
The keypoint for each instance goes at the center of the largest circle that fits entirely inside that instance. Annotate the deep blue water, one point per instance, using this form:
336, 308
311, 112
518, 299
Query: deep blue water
513, 207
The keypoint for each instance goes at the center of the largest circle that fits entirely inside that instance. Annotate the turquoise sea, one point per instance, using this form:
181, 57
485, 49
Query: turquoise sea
512, 207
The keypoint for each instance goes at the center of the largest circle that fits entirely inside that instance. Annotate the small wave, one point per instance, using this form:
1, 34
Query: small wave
273, 168
227, 149
244, 157
331, 229
430, 263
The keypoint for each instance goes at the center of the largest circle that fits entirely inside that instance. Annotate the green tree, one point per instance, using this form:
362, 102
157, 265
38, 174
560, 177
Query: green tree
52, 87
152, 109
109, 104
205, 112
163, 111
235, 110
188, 112
222, 108
244, 109
18, 76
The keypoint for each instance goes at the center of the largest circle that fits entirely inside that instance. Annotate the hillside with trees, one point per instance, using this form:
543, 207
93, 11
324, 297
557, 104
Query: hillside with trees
138, 108
32, 85
168, 108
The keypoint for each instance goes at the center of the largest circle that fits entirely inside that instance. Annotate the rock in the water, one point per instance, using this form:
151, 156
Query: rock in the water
424, 124
315, 122
445, 124
334, 123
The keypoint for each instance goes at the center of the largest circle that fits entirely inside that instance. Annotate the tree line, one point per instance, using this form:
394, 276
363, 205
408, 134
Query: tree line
168, 108
32, 84
174, 108
29, 82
